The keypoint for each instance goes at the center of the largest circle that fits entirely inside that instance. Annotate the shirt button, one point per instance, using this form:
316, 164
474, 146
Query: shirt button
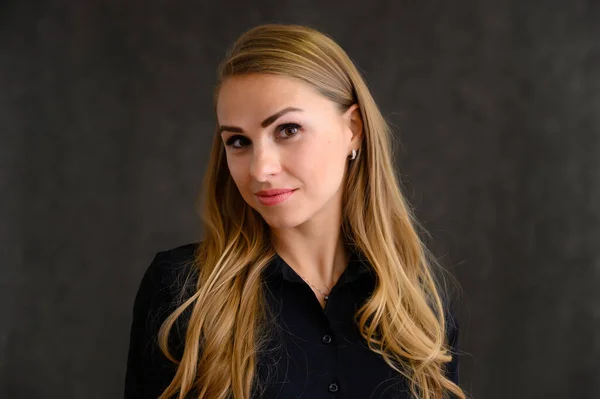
326, 339
333, 387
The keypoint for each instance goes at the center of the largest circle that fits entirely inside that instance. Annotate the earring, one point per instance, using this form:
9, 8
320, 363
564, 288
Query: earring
353, 156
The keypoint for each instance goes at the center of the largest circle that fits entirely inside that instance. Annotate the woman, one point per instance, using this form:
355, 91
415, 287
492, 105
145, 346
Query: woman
310, 280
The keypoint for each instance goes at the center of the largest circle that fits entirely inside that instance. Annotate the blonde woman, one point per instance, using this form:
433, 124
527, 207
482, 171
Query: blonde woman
310, 280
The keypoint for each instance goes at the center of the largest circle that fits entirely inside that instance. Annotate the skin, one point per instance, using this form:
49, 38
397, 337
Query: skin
305, 148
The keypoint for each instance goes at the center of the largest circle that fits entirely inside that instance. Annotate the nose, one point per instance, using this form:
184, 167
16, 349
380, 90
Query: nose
265, 162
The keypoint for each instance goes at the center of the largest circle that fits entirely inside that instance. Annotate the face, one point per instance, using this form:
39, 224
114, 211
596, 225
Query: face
281, 134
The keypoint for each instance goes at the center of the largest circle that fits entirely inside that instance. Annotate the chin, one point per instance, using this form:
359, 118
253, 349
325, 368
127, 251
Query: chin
282, 221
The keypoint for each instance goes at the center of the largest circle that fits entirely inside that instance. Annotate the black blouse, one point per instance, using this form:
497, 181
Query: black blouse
314, 352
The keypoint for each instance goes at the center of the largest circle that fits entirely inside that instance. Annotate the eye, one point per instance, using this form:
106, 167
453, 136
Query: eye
288, 130
284, 131
237, 141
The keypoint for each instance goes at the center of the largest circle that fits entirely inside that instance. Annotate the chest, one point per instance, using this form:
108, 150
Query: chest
314, 352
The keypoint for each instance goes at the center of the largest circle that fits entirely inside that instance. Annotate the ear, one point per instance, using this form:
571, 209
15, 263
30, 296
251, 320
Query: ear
354, 123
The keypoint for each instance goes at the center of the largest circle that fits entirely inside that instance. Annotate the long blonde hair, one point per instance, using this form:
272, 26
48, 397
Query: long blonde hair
403, 320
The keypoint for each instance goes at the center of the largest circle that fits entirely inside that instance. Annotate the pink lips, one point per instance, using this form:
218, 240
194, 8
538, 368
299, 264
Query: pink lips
274, 197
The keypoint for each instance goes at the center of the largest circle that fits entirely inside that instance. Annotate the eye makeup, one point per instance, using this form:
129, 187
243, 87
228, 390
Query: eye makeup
244, 141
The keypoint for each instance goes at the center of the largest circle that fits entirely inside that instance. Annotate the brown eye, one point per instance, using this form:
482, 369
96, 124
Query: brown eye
288, 130
237, 141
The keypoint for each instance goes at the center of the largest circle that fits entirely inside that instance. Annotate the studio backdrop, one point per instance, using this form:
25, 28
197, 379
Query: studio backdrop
106, 120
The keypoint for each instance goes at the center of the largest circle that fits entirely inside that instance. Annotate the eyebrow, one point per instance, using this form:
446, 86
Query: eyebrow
268, 121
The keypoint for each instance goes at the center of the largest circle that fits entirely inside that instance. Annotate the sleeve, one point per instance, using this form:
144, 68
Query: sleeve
452, 334
149, 372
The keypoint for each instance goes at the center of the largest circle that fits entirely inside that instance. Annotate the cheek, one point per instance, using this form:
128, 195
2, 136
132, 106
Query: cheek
237, 172
317, 149
320, 164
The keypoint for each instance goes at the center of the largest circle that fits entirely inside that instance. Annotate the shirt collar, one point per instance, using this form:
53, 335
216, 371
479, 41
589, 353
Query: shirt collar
357, 267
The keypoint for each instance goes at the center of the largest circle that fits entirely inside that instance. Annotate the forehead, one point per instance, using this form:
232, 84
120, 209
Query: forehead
252, 97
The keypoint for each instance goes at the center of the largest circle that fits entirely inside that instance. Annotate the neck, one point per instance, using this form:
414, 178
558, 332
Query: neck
316, 251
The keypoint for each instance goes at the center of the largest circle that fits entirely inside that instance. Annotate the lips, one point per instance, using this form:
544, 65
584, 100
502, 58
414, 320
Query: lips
274, 196
272, 192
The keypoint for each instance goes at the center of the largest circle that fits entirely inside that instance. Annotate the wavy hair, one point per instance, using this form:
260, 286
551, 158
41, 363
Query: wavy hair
403, 320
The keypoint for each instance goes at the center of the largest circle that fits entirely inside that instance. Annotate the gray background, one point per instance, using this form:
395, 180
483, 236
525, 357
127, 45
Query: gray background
105, 121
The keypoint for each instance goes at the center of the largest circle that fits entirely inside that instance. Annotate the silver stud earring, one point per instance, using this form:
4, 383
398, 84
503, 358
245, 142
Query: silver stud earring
353, 156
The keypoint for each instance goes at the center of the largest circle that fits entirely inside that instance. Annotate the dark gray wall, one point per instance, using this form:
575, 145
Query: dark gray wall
105, 121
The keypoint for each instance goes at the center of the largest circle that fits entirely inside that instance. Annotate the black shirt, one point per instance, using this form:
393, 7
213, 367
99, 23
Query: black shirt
314, 353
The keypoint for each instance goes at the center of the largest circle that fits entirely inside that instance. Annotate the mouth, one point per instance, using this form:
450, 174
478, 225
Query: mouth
274, 197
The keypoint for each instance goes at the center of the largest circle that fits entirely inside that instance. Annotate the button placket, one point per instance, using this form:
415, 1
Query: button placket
334, 387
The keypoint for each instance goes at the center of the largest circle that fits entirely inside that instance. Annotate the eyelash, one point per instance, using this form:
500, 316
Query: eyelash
233, 139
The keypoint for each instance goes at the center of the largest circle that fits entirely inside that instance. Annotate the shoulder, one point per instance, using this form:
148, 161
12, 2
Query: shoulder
164, 280
167, 265
148, 370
